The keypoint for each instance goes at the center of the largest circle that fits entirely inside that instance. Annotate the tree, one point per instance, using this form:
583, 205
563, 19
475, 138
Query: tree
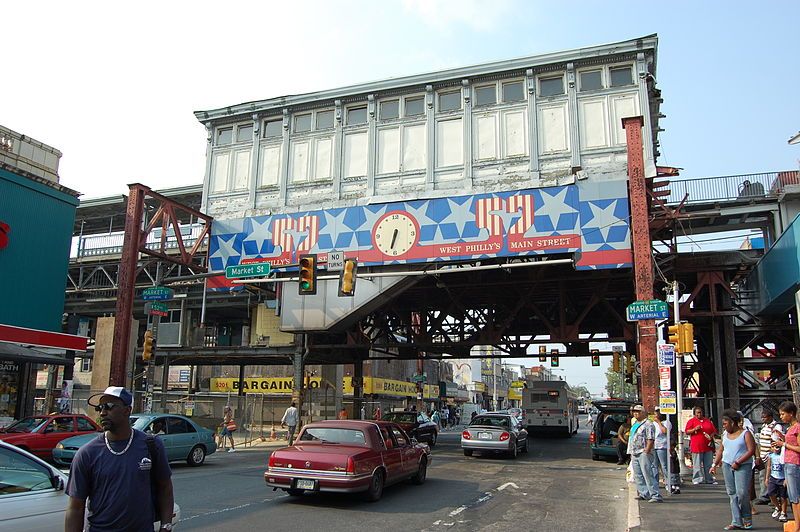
582, 391
613, 387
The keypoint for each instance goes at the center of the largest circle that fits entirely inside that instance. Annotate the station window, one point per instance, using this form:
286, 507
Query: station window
224, 136
273, 129
621, 76
86, 365
551, 86
450, 101
513, 92
415, 106
591, 80
324, 119
485, 95
356, 115
390, 109
244, 133
302, 123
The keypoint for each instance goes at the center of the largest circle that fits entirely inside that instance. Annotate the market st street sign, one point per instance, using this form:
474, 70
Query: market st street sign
158, 293
243, 271
652, 309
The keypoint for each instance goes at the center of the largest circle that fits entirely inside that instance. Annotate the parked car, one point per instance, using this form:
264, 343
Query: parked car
416, 425
348, 457
495, 432
183, 439
32, 494
611, 414
40, 434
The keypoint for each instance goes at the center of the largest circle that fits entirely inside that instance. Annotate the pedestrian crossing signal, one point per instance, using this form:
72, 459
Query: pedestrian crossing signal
147, 345
615, 366
308, 275
542, 353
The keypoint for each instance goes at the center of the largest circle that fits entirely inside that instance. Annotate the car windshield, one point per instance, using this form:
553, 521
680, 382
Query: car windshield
140, 422
401, 417
332, 435
491, 421
26, 424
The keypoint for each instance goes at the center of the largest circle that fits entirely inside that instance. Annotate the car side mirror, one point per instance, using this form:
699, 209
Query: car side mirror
414, 441
57, 482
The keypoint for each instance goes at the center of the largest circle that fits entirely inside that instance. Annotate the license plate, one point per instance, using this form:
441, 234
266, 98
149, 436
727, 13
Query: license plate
303, 484
484, 436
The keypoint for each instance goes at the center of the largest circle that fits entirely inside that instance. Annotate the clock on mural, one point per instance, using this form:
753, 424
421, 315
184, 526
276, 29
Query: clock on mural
395, 233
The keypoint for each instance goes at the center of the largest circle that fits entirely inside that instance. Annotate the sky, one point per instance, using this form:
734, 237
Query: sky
113, 85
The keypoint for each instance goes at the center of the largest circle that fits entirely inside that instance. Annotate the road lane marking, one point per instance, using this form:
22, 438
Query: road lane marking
223, 510
507, 484
457, 511
634, 520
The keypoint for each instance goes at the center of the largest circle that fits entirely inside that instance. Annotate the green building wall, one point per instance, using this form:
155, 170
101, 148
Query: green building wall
33, 267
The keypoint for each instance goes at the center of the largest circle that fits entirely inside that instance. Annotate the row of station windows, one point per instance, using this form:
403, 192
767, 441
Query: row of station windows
412, 107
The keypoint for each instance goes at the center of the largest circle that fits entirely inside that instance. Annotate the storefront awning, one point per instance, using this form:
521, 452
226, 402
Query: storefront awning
18, 353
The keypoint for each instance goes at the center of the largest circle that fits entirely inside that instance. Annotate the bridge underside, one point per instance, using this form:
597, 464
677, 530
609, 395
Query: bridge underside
509, 310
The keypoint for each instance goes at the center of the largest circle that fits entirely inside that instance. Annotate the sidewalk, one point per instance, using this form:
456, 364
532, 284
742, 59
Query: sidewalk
702, 507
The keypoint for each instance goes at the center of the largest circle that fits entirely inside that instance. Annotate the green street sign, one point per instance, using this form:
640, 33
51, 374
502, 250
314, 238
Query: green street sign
156, 308
419, 378
243, 271
158, 293
651, 309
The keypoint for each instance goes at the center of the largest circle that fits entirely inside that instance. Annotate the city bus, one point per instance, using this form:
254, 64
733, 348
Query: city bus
550, 406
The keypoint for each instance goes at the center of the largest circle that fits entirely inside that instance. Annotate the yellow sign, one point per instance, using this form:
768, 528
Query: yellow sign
480, 387
515, 393
267, 385
283, 386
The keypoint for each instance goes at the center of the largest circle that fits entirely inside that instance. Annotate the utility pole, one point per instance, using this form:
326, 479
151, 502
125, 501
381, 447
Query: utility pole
676, 314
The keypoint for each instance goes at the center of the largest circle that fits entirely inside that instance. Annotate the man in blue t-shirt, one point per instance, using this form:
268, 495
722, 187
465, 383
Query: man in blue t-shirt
117, 473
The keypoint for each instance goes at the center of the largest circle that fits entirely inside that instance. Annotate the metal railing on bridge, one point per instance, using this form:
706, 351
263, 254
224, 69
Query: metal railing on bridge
111, 243
733, 187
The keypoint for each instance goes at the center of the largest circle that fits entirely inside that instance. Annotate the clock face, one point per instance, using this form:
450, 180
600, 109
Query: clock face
395, 234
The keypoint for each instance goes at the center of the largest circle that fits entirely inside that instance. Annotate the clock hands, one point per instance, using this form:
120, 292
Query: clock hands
394, 238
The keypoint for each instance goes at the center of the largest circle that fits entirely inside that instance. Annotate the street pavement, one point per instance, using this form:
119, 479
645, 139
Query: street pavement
555, 486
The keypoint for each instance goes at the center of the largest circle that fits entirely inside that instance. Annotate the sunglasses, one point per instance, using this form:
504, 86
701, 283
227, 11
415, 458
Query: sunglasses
106, 406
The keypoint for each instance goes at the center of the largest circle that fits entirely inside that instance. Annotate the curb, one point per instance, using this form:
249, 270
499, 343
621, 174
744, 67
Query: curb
634, 519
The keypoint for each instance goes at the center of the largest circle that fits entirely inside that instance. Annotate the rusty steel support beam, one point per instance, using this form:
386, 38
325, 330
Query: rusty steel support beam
642, 258
126, 277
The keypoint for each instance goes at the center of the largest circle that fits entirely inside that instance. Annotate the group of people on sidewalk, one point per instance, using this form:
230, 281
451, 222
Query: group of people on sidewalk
767, 462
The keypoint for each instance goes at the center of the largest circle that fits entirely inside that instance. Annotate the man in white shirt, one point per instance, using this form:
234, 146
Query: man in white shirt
289, 420
770, 431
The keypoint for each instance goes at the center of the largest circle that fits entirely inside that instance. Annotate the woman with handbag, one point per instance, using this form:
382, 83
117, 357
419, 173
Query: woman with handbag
701, 442
228, 427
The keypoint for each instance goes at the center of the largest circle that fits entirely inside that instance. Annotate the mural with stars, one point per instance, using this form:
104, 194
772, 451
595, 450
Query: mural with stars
590, 218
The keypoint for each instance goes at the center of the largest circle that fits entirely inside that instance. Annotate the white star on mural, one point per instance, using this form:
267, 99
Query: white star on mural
603, 219
225, 249
461, 215
334, 224
260, 233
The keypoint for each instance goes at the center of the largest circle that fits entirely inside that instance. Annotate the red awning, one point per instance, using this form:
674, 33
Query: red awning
24, 336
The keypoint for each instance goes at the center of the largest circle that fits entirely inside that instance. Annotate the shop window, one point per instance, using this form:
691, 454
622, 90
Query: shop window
356, 115
325, 120
244, 133
390, 109
273, 129
86, 365
224, 136
302, 123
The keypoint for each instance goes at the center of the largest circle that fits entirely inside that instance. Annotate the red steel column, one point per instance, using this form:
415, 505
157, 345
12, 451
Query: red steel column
642, 258
126, 279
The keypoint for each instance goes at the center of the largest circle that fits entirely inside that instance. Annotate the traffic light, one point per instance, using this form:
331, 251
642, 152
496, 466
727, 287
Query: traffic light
554, 361
674, 336
687, 338
542, 353
308, 275
147, 345
595, 357
347, 279
629, 364
615, 363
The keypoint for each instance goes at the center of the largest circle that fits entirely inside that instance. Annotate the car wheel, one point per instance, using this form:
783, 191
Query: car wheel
422, 473
513, 452
294, 493
196, 456
525, 447
375, 486
467, 452
433, 440
596, 457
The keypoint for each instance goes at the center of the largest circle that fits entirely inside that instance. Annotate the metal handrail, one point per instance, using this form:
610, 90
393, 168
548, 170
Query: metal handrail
733, 187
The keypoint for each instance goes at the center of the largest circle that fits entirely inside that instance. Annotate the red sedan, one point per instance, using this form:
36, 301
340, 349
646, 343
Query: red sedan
348, 457
40, 434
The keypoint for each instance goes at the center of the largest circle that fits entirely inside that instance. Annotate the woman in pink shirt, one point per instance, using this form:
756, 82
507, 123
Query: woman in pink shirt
701, 431
791, 456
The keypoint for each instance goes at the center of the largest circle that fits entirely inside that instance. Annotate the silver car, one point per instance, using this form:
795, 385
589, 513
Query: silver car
32, 494
495, 432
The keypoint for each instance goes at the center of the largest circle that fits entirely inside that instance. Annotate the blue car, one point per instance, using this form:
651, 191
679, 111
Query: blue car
183, 439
